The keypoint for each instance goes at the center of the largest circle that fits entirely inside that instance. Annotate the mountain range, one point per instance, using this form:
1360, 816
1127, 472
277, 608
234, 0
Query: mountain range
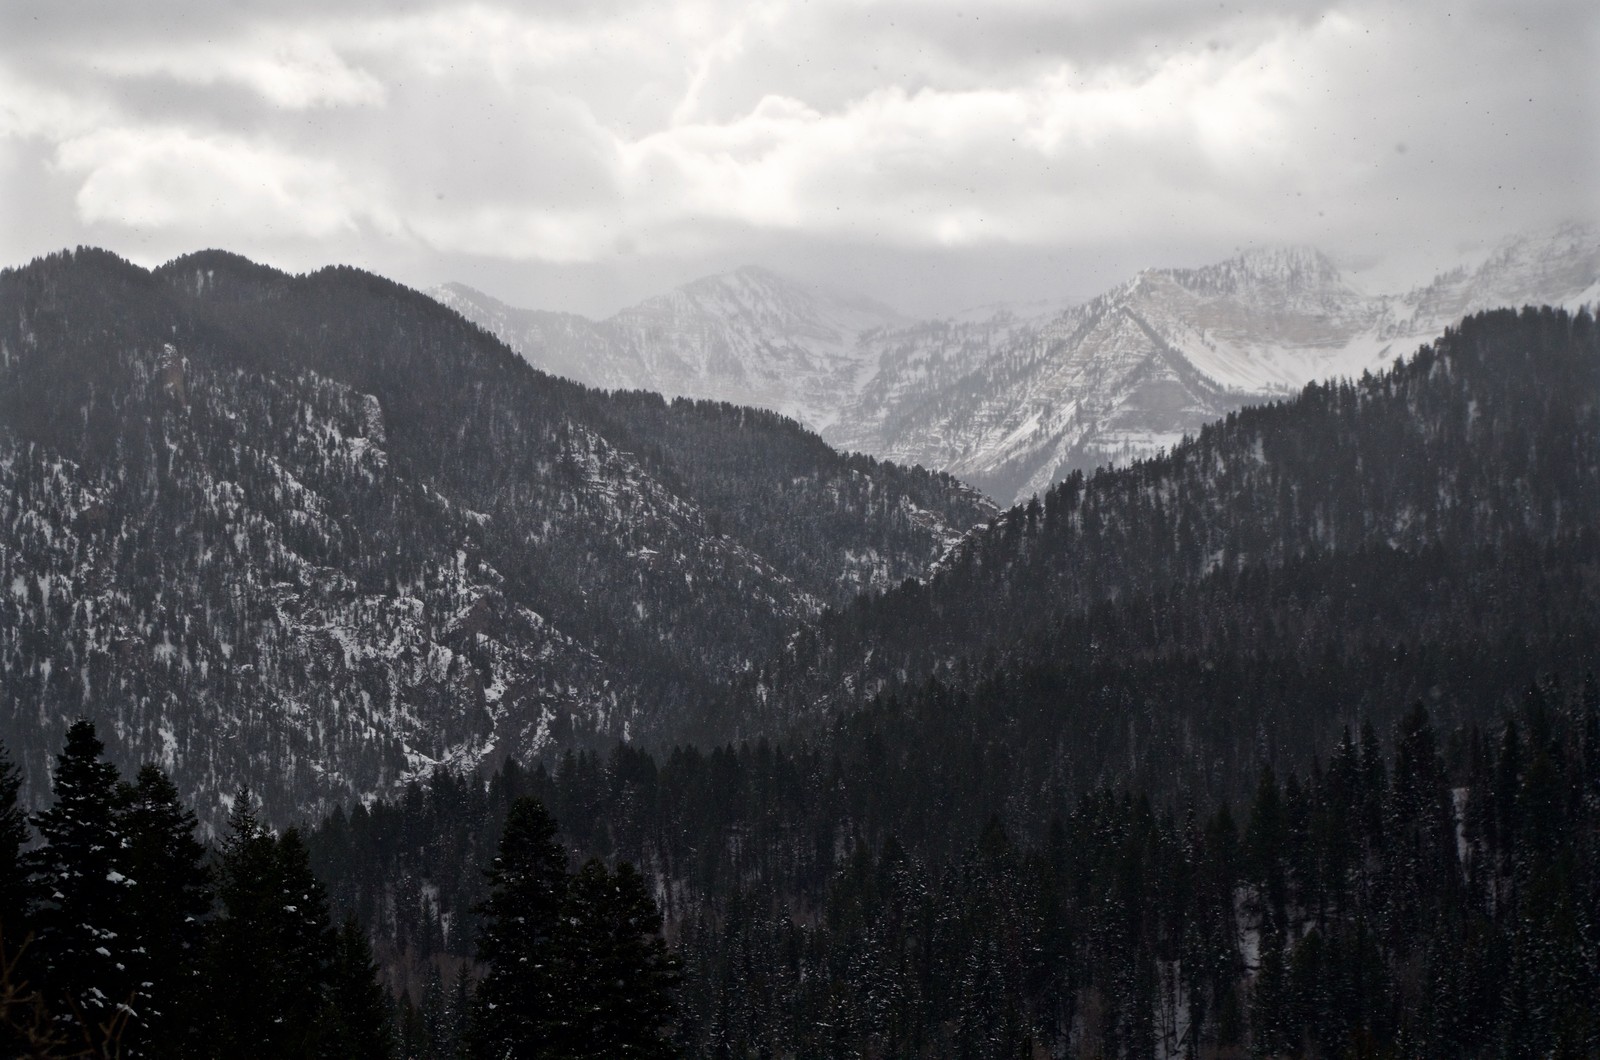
321, 535
1011, 400
1426, 532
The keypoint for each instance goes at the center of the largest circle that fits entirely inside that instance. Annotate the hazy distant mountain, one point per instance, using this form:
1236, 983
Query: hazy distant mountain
751, 337
1559, 267
1010, 398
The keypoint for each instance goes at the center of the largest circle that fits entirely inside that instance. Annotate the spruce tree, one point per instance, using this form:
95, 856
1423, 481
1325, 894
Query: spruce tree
85, 943
622, 974
355, 1023
458, 1034
16, 900
413, 1031
433, 1013
522, 1006
169, 899
269, 956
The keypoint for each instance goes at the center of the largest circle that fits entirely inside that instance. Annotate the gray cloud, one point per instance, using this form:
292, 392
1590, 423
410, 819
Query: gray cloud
936, 152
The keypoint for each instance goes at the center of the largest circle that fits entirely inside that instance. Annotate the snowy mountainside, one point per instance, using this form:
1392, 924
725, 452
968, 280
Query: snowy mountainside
209, 603
317, 534
1135, 370
1121, 376
1560, 267
1011, 399
568, 345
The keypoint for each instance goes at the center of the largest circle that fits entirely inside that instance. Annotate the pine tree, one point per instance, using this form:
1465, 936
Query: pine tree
86, 947
16, 901
415, 1041
522, 1003
16, 889
1272, 1029
434, 1014
1265, 846
458, 1035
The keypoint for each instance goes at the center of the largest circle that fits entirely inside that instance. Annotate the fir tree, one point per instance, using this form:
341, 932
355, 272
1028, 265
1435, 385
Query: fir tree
459, 1014
270, 951
622, 976
434, 1013
16, 889
415, 1041
16, 903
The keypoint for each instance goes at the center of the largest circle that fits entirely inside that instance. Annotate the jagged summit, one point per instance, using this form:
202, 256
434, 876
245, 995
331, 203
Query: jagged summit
1560, 266
1288, 268
1128, 373
759, 297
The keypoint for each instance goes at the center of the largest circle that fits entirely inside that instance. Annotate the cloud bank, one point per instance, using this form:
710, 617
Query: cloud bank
924, 147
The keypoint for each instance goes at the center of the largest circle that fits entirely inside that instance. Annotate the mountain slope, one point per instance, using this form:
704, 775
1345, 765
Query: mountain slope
1301, 703
318, 533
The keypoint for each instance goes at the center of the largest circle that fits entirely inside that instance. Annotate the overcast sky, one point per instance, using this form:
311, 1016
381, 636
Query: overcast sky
935, 153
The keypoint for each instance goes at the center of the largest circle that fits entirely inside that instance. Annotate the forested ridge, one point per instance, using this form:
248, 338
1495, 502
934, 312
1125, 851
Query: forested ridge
1482, 450
318, 533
